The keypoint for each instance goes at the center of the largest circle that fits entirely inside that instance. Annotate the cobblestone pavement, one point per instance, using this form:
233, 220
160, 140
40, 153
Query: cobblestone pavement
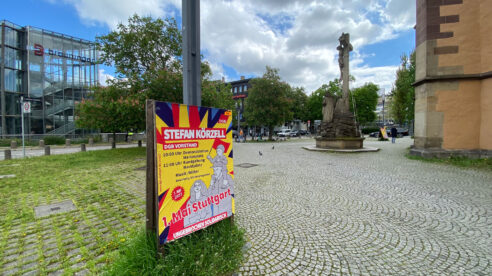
314, 213
305, 213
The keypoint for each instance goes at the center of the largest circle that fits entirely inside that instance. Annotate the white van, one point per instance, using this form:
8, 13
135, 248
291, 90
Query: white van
284, 133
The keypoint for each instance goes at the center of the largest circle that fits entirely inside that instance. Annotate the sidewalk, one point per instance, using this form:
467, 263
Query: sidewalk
60, 149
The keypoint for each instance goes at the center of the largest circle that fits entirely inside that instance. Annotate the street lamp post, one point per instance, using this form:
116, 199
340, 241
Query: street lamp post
384, 96
191, 52
238, 108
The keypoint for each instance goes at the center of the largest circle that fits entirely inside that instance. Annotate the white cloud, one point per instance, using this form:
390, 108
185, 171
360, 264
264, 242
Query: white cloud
384, 76
298, 37
113, 12
104, 77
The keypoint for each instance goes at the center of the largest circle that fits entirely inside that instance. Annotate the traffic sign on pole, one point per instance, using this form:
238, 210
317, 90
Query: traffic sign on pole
26, 107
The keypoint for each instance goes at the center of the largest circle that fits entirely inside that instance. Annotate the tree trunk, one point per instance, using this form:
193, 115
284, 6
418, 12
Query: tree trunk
113, 144
270, 133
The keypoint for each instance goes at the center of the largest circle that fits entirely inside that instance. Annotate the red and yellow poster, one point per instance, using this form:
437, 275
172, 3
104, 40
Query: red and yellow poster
194, 166
384, 132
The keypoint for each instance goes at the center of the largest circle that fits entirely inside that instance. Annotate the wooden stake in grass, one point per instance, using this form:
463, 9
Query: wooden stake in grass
151, 189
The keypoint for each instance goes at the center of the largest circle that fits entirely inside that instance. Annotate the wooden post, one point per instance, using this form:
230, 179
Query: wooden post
82, 147
151, 210
47, 150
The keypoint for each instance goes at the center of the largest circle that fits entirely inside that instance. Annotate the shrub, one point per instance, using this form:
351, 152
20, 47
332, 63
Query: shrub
368, 130
6, 142
54, 140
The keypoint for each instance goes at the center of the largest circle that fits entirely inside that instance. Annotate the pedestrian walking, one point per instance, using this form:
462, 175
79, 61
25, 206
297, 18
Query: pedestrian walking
394, 133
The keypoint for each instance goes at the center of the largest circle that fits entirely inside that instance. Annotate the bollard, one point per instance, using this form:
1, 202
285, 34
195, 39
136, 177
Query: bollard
82, 147
47, 150
41, 143
139, 143
91, 142
7, 154
67, 142
13, 144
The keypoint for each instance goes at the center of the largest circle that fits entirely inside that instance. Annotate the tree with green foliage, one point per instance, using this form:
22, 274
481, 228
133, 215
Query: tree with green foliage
143, 46
403, 94
299, 103
268, 102
366, 100
111, 110
146, 56
315, 100
217, 94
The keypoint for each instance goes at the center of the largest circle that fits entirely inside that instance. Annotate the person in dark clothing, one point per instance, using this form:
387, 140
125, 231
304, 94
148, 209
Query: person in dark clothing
394, 133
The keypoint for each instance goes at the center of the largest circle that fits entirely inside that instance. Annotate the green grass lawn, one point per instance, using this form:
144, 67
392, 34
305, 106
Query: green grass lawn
463, 162
108, 189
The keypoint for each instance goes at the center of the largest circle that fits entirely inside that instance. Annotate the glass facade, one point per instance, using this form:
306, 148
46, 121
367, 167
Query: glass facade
52, 71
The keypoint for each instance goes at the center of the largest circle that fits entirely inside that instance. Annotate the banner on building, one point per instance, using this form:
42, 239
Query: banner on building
194, 168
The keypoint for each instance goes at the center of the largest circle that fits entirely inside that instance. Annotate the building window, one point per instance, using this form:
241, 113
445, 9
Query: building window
13, 80
12, 38
245, 88
13, 58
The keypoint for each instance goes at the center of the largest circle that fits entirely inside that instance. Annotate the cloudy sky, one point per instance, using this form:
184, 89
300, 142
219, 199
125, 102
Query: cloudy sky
241, 37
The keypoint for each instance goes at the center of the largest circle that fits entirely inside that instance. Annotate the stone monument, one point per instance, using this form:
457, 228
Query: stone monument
339, 129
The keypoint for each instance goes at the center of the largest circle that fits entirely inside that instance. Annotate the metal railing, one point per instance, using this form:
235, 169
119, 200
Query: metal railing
64, 129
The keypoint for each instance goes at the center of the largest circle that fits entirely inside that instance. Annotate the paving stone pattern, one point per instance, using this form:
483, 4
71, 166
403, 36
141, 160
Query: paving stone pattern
315, 213
304, 212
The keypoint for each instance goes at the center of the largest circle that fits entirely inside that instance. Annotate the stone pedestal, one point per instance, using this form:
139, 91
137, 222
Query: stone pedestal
339, 143
341, 133
342, 125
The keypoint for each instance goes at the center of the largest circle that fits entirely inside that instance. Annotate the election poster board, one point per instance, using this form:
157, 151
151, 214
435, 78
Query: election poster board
193, 168
384, 132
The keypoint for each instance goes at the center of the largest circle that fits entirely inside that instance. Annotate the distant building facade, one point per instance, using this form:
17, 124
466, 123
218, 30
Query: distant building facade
52, 71
239, 91
453, 88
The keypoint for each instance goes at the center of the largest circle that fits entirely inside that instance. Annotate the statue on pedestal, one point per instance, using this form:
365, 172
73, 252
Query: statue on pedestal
339, 123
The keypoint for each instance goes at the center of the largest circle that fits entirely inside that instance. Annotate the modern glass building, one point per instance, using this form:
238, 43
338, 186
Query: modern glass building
52, 71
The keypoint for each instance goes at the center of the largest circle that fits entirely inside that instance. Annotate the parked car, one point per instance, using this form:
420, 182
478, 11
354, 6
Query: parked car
284, 133
402, 131
374, 134
303, 132
294, 133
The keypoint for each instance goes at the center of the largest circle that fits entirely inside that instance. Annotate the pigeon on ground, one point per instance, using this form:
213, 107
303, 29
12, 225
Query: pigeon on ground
273, 147
261, 154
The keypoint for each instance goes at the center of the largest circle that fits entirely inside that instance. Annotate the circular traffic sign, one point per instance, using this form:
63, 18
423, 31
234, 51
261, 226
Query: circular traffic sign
26, 107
